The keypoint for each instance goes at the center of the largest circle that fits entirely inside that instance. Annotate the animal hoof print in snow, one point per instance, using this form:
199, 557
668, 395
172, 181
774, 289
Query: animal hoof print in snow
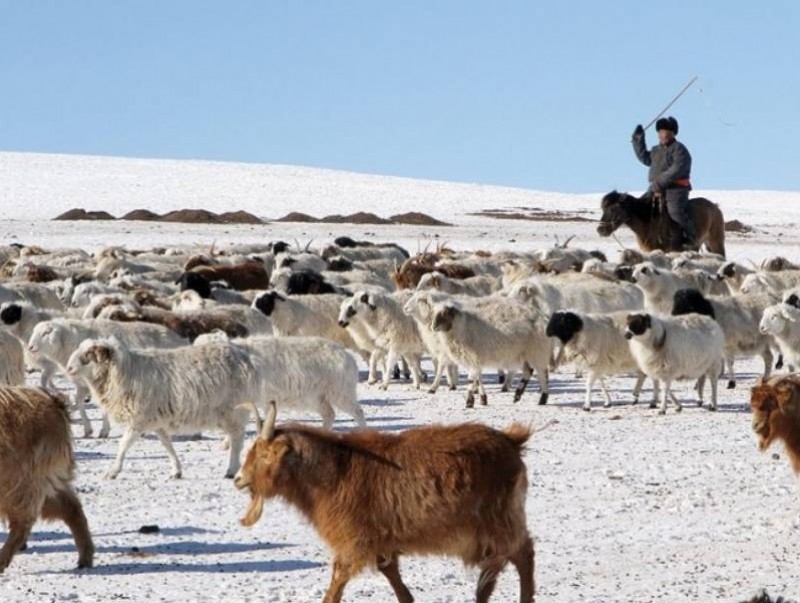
731, 384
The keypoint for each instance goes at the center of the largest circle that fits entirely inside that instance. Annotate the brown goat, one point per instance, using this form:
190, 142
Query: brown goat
449, 490
36, 468
188, 325
247, 275
410, 273
776, 414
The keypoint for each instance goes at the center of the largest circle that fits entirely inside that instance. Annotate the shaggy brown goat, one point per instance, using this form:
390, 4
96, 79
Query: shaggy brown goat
188, 325
454, 490
776, 414
247, 275
36, 468
409, 274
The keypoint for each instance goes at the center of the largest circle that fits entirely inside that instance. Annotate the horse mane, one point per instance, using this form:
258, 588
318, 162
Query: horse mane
634, 207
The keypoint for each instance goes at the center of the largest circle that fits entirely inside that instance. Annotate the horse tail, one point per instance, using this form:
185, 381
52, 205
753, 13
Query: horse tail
716, 230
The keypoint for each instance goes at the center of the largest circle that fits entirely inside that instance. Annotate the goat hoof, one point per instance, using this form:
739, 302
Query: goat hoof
678, 408
543, 398
179, 475
653, 405
635, 401
484, 400
470, 401
111, 474
452, 388
517, 396
662, 412
587, 408
712, 408
431, 390
731, 384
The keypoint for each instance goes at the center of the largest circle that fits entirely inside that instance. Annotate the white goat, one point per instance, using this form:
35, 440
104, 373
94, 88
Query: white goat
167, 391
19, 319
659, 286
475, 286
782, 321
677, 347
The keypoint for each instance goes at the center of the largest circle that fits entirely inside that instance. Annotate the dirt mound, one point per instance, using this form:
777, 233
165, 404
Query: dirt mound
361, 217
191, 216
533, 214
81, 214
239, 217
143, 215
296, 216
417, 219
736, 226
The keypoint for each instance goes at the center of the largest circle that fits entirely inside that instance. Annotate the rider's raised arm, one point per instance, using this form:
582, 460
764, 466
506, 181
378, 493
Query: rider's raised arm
640, 146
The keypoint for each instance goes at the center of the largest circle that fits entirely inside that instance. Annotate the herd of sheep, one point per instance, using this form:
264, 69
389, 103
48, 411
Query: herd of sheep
170, 340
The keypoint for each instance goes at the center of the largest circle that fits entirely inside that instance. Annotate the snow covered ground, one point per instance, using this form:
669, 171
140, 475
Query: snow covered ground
624, 505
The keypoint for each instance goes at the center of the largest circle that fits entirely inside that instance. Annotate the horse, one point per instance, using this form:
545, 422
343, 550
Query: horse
645, 218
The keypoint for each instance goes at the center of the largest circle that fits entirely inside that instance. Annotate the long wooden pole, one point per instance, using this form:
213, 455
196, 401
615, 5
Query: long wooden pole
672, 102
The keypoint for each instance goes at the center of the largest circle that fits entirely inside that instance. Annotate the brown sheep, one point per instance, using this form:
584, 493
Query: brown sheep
776, 414
188, 325
449, 490
247, 275
36, 468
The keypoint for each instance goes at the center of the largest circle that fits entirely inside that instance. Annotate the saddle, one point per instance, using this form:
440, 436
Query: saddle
671, 236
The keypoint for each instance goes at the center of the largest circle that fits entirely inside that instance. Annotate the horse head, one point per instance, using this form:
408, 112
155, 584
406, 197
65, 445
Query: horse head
614, 213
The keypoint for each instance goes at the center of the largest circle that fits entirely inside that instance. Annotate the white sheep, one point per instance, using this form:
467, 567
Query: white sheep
12, 360
475, 286
770, 282
596, 343
506, 334
55, 340
782, 322
677, 347
19, 319
167, 391
420, 307
391, 329
303, 373
578, 291
304, 315
659, 286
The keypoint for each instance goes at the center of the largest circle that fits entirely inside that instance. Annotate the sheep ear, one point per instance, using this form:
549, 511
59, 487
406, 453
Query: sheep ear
100, 354
371, 303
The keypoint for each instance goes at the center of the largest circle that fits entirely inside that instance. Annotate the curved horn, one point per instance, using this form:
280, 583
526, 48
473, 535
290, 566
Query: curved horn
268, 430
308, 245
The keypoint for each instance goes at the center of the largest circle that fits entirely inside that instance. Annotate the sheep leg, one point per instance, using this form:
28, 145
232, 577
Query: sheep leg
504, 378
437, 376
452, 376
128, 438
605, 393
490, 570
523, 382
474, 377
64, 505
656, 387
482, 389
543, 376
235, 430
80, 404
700, 386
524, 561
766, 354
713, 395
416, 371
406, 368
374, 358
166, 441
391, 569
637, 389
327, 413
342, 573
18, 531
105, 428
731, 373
664, 395
391, 359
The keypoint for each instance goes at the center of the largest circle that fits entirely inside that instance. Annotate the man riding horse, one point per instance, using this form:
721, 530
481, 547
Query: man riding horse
670, 167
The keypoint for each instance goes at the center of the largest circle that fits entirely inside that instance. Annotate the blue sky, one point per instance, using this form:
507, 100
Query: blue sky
539, 95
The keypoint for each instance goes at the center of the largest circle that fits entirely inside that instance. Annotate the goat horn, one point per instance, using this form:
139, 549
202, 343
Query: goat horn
565, 243
259, 422
268, 430
308, 245
297, 244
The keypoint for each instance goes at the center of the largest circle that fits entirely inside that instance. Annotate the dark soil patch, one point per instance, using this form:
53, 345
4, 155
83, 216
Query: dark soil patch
297, 216
82, 214
239, 217
143, 215
532, 214
417, 219
361, 217
737, 226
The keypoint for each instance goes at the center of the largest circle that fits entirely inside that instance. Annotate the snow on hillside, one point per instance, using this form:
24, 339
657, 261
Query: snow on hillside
624, 505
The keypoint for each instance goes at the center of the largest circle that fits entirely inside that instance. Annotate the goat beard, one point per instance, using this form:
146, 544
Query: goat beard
254, 511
